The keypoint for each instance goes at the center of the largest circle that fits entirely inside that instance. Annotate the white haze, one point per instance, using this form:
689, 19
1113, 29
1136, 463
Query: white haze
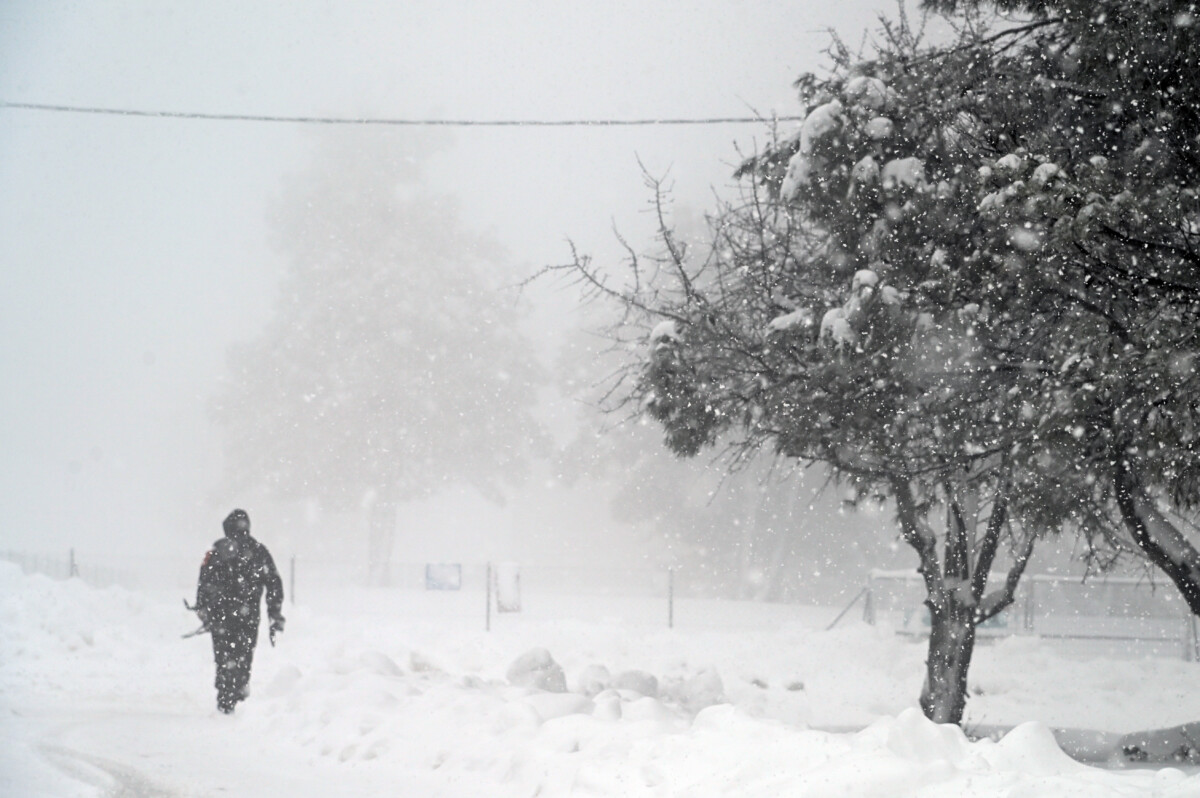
134, 250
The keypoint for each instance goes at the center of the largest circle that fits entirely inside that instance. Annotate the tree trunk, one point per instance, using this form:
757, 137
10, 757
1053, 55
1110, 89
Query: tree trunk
1157, 537
380, 538
951, 644
955, 592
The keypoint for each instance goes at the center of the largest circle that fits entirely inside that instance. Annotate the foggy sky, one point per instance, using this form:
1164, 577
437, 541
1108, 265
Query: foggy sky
134, 251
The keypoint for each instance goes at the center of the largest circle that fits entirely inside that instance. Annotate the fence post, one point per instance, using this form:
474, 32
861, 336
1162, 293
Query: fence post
869, 603
72, 568
670, 598
487, 622
1030, 590
866, 591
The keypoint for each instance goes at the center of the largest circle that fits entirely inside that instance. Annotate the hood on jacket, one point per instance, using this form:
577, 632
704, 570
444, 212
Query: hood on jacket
236, 524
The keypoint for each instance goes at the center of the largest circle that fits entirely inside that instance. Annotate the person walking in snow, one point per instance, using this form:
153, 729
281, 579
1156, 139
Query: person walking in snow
233, 577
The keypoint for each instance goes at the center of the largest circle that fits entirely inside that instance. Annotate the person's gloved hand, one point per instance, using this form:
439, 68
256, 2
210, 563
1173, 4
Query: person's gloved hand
276, 627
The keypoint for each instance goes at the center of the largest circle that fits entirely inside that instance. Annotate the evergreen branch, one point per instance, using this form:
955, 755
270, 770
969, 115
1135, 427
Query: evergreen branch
937, 55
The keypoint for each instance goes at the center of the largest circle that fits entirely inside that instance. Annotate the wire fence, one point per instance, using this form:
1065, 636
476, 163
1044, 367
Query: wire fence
68, 566
1098, 615
305, 573
484, 594
1077, 613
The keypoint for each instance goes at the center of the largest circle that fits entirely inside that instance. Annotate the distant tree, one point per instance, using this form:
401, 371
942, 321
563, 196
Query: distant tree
393, 365
751, 529
759, 531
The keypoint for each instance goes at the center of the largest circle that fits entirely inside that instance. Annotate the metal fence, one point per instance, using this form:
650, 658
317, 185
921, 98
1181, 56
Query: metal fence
1099, 610
67, 566
469, 593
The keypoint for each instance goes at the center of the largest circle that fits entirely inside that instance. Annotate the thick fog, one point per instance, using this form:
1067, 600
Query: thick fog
137, 250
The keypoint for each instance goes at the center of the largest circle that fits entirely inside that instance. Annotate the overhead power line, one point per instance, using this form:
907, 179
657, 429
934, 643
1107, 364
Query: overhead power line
363, 120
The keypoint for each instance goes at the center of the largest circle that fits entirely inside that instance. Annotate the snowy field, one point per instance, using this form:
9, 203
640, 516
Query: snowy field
403, 693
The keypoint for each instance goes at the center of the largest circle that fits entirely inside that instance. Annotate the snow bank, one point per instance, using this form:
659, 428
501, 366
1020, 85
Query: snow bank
624, 743
61, 637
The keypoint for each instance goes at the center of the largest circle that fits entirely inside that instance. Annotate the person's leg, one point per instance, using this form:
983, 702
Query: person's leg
223, 651
243, 659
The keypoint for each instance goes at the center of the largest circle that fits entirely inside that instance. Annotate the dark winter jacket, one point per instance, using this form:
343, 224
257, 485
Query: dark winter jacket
233, 577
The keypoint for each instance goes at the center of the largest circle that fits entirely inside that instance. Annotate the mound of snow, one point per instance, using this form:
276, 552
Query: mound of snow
537, 669
703, 690
636, 681
592, 680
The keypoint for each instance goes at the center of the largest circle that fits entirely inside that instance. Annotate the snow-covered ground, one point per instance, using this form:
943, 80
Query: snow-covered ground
402, 693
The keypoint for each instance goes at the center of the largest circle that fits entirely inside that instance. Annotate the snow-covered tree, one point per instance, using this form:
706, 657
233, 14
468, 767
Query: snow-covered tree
1098, 185
870, 306
967, 282
394, 364
789, 336
1054, 192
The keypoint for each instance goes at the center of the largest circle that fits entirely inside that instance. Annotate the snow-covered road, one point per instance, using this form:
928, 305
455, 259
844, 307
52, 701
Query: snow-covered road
369, 696
130, 754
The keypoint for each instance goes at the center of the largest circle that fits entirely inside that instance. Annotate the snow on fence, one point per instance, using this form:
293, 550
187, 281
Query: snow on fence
68, 567
1112, 611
